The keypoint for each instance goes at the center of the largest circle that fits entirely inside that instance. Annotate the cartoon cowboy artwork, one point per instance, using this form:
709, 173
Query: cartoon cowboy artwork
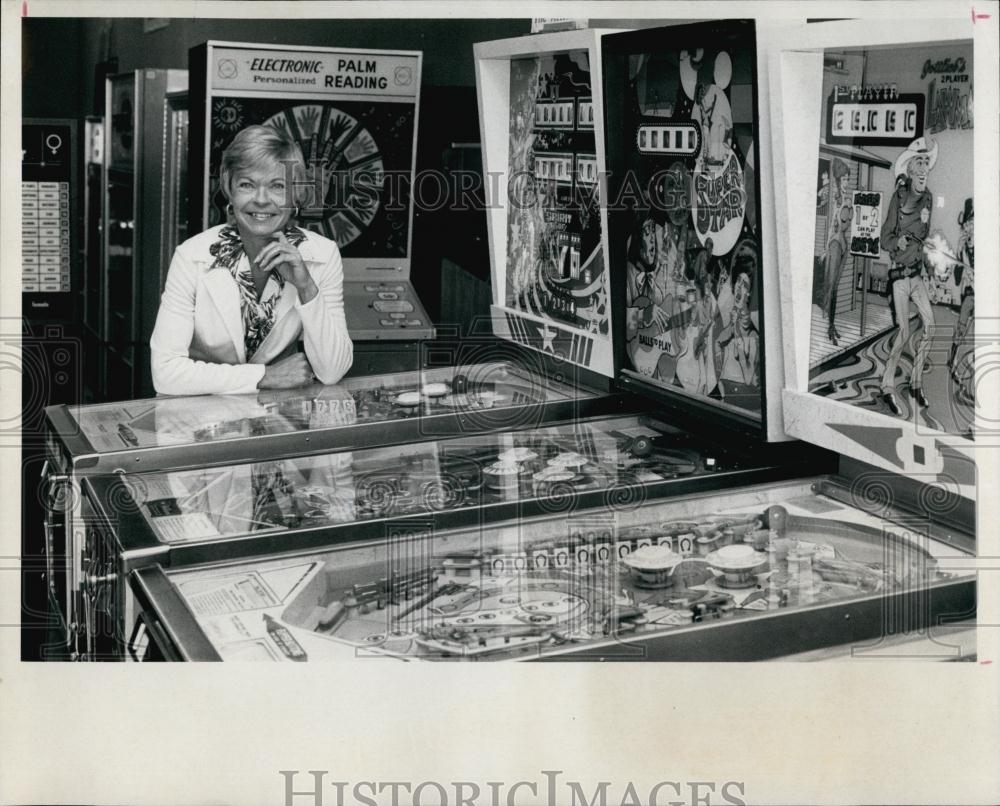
906, 225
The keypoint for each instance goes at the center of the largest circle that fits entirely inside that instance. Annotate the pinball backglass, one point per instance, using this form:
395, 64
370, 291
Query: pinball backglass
684, 216
893, 317
875, 156
541, 115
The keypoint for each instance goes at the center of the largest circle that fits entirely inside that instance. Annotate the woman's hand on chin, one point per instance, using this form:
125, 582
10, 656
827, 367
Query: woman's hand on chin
281, 256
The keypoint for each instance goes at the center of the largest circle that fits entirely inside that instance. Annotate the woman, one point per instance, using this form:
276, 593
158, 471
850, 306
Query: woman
695, 370
962, 371
842, 211
740, 343
238, 296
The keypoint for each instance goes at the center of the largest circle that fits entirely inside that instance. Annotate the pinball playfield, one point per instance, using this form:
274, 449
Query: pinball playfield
556, 464
174, 421
619, 588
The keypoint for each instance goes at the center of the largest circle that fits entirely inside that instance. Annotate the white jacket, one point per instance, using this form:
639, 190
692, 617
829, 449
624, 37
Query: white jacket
197, 344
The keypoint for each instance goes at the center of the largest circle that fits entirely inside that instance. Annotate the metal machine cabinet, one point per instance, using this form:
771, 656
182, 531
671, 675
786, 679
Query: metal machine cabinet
764, 571
165, 433
174, 183
93, 210
50, 220
202, 514
134, 187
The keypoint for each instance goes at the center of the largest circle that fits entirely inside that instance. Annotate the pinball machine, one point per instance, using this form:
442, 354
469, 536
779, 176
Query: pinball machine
667, 519
178, 432
379, 494
770, 570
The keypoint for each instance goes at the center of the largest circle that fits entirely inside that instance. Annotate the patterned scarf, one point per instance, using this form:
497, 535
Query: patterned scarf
258, 315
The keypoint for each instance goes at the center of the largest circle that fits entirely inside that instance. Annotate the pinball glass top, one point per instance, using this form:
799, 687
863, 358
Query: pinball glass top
554, 463
604, 580
167, 421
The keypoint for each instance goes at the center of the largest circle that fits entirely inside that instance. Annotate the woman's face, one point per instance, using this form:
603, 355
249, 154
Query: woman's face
261, 198
723, 277
647, 245
845, 180
741, 290
744, 319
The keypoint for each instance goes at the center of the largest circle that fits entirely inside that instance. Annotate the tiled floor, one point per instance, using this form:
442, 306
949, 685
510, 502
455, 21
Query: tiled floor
821, 349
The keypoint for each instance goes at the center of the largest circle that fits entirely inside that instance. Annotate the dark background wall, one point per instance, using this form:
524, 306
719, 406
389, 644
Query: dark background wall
59, 54
54, 76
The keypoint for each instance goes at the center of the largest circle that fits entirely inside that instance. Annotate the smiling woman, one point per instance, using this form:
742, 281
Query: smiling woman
238, 296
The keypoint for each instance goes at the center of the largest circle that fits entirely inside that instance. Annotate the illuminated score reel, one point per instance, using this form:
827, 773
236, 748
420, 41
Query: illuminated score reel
565, 168
566, 114
598, 545
673, 139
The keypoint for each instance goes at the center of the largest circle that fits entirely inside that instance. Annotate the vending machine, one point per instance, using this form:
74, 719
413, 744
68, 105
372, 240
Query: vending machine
49, 354
49, 237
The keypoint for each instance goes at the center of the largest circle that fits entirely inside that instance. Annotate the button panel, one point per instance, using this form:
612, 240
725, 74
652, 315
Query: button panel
387, 306
384, 310
45, 237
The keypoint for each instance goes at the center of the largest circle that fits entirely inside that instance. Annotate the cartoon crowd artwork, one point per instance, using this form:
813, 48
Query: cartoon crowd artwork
893, 296
692, 310
555, 261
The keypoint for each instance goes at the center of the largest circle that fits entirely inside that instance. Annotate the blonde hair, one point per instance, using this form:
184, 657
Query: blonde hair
254, 146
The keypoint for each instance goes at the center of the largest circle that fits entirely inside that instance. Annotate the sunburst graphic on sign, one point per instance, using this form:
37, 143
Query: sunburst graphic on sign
344, 169
227, 115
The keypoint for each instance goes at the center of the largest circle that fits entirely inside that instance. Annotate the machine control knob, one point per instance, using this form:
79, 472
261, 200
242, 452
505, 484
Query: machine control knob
93, 580
642, 446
